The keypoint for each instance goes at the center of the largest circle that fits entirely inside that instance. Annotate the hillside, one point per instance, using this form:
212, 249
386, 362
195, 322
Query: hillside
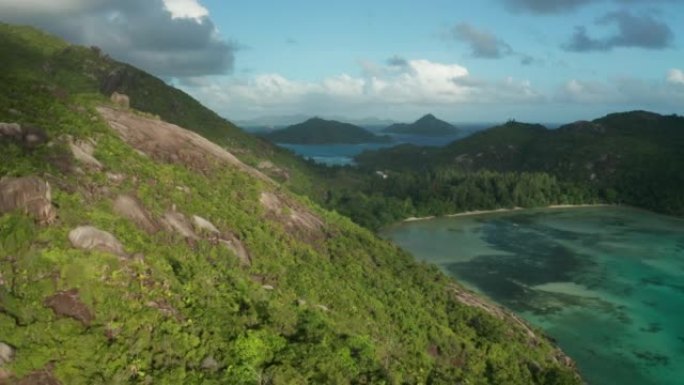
321, 131
630, 158
134, 250
428, 125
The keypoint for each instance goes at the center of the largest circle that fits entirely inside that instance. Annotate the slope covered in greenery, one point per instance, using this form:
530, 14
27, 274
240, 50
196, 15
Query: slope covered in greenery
321, 131
630, 158
427, 125
263, 287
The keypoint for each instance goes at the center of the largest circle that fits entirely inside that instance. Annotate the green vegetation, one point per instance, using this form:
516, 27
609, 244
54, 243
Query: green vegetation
320, 131
427, 125
632, 158
344, 307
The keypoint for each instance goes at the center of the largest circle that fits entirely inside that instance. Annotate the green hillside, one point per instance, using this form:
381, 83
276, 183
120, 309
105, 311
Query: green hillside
632, 158
321, 131
133, 251
428, 125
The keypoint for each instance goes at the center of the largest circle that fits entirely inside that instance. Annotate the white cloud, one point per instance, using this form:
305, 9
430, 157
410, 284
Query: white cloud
416, 84
675, 76
169, 38
186, 9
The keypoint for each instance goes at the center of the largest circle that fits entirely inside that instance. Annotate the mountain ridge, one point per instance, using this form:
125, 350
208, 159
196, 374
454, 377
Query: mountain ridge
426, 125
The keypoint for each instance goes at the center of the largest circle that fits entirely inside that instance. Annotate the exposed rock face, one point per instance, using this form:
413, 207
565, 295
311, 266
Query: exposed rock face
68, 304
91, 238
295, 217
6, 353
130, 208
233, 244
120, 100
203, 225
177, 222
83, 152
170, 143
209, 363
31, 195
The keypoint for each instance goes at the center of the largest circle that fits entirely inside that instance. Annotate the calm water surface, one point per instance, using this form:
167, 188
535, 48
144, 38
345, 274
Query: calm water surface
607, 283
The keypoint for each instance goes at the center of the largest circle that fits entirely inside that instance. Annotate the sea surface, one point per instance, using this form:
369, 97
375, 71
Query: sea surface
607, 283
343, 154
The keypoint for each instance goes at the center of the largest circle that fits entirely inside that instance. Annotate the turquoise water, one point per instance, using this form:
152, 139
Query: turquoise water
606, 283
343, 154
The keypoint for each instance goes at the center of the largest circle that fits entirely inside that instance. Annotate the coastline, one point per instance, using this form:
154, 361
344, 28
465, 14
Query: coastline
503, 210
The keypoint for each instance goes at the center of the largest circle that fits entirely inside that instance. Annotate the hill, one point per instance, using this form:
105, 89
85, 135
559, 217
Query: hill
321, 131
134, 250
624, 158
428, 125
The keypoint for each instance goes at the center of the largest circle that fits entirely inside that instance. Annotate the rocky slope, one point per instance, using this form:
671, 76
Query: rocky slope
133, 250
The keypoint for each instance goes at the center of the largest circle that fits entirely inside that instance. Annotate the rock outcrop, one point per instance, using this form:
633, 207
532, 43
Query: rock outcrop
30, 195
91, 238
175, 221
83, 151
6, 354
297, 219
203, 225
233, 244
130, 208
68, 303
120, 100
26, 136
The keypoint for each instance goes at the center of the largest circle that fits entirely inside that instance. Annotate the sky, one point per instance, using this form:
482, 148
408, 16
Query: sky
464, 61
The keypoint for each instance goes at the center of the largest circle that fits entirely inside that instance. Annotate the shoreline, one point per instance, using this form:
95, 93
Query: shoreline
503, 210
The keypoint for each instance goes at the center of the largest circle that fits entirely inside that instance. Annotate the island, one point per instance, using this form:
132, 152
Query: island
321, 131
428, 125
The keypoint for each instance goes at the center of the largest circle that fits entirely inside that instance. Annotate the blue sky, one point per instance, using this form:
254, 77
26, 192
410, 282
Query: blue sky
491, 60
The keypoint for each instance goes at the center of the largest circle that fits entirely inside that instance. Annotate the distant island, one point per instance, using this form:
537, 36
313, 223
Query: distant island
427, 125
321, 131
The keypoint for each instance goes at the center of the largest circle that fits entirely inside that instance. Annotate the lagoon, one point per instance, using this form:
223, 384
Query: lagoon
607, 283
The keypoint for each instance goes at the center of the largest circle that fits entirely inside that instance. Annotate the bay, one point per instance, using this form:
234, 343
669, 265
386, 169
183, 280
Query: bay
607, 283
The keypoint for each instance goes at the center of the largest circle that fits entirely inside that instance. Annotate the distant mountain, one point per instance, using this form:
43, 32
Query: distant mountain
321, 131
271, 123
427, 125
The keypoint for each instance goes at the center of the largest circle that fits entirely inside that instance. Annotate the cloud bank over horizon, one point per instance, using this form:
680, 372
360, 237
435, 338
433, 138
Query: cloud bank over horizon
533, 59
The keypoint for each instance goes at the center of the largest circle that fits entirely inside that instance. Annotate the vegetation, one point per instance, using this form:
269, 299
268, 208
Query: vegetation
630, 158
320, 131
427, 125
344, 307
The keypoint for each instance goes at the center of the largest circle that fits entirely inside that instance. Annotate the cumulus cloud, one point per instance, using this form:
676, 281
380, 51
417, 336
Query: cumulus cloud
169, 38
624, 91
638, 31
560, 6
483, 44
397, 84
675, 76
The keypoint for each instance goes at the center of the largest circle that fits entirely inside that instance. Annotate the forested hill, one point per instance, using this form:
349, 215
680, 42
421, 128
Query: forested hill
135, 251
428, 125
634, 157
321, 131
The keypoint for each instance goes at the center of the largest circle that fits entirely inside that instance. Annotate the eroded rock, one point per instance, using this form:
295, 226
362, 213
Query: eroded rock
91, 238
83, 151
31, 195
120, 100
233, 244
177, 222
295, 217
6, 354
130, 208
68, 303
203, 225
